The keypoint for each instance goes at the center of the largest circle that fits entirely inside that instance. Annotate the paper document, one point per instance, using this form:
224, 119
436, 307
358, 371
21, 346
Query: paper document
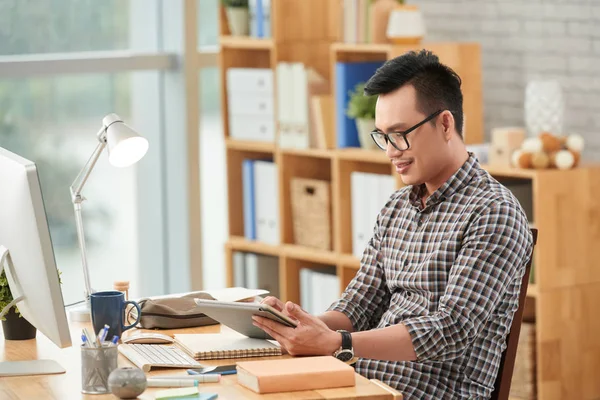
226, 294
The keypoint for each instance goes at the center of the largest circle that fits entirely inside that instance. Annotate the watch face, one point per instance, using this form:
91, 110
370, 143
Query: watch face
345, 355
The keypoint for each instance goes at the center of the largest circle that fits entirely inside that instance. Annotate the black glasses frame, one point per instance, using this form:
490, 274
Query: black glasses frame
402, 133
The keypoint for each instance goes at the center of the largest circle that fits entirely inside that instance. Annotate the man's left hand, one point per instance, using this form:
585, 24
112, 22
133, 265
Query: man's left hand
311, 337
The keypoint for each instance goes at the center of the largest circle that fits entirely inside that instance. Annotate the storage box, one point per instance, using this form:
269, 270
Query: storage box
311, 212
504, 142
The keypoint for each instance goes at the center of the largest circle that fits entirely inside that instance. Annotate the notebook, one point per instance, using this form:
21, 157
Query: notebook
292, 374
211, 346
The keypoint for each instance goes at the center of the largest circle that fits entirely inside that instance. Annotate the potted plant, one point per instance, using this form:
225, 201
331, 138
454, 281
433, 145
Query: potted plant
15, 327
237, 16
361, 108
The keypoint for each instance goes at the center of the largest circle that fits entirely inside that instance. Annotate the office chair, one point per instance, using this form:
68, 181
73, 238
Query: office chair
507, 363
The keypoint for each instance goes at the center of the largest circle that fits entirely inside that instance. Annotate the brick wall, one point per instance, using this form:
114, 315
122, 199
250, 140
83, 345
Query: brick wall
529, 39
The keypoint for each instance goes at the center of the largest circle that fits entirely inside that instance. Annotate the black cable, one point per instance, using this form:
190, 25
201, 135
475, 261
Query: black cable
73, 304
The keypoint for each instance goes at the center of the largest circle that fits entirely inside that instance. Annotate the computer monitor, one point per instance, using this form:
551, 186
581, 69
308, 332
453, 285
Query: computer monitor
26, 248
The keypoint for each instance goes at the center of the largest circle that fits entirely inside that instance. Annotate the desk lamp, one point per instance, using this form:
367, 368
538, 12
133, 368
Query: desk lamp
125, 147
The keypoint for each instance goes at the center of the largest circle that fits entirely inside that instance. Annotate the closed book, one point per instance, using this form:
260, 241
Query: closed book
211, 346
294, 374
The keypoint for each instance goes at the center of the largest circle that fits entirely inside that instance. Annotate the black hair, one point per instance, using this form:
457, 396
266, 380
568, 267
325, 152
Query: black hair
437, 85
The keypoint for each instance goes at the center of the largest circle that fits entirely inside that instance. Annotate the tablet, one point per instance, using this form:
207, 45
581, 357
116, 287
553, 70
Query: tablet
238, 316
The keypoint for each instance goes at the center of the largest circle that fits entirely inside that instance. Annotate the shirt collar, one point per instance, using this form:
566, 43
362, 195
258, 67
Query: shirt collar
458, 180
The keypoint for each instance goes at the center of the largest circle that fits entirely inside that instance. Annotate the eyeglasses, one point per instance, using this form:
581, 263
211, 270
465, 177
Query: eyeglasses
398, 139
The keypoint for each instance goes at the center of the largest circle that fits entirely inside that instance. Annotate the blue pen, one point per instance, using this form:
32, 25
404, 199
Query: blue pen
85, 341
115, 339
102, 334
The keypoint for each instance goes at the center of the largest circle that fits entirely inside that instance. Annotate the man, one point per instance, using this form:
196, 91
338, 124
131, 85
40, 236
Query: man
431, 306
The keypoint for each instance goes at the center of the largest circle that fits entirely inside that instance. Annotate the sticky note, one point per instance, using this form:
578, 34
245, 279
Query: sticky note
178, 393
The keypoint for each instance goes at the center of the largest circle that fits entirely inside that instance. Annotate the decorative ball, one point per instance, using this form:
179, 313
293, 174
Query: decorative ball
575, 142
550, 143
540, 160
576, 156
514, 160
564, 159
532, 145
127, 382
523, 160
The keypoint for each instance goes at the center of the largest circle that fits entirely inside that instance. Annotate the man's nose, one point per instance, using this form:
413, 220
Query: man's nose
391, 151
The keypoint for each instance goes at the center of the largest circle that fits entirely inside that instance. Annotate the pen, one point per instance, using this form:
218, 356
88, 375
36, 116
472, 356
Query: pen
85, 341
115, 339
91, 341
212, 378
155, 382
102, 335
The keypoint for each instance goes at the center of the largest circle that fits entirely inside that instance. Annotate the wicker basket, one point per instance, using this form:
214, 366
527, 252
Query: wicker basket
311, 212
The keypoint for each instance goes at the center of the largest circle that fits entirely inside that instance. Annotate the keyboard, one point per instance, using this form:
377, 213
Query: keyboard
148, 356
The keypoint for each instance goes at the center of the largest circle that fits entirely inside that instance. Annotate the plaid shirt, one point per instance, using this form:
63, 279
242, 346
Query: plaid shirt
451, 273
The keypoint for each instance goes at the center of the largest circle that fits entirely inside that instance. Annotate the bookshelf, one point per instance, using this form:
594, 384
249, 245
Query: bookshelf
563, 205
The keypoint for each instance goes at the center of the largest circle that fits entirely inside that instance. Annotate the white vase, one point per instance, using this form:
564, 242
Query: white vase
365, 126
406, 25
237, 18
544, 107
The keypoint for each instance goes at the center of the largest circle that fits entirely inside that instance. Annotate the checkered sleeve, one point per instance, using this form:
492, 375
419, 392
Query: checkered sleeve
363, 298
494, 252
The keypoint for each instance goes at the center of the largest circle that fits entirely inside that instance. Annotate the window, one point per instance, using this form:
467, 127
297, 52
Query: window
53, 121
137, 220
29, 27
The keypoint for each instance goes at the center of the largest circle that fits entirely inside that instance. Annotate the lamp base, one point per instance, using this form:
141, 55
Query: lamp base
80, 313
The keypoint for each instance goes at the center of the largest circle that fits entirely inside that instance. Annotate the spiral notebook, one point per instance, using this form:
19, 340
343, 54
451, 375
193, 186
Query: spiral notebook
211, 346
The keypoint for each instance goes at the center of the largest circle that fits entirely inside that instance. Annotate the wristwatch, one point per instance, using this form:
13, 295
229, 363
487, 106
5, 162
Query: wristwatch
345, 353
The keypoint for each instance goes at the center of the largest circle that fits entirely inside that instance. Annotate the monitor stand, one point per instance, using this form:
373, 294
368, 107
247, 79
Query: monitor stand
28, 367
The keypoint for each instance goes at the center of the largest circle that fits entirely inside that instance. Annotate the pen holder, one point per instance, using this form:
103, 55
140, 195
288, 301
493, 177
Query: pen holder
96, 365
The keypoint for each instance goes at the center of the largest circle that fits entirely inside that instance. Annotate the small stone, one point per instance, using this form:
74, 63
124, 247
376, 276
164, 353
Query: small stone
127, 382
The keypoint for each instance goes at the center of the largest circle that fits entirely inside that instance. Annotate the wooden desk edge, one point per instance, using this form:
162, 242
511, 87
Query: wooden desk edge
395, 394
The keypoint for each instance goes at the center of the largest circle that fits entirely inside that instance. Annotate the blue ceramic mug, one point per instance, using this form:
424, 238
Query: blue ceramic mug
108, 308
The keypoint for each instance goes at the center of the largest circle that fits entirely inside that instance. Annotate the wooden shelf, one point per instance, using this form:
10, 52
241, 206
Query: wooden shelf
563, 204
263, 147
310, 254
361, 47
532, 290
358, 154
239, 243
316, 153
509, 172
245, 42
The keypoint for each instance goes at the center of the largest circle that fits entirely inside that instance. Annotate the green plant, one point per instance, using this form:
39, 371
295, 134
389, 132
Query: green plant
360, 105
6, 296
235, 3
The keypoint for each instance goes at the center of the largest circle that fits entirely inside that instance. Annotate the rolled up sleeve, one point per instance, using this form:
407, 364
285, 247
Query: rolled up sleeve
494, 252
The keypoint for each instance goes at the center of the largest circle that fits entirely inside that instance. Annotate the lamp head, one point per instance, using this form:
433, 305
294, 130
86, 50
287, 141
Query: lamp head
125, 146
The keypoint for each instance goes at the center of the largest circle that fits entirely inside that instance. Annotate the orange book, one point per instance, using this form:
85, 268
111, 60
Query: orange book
293, 374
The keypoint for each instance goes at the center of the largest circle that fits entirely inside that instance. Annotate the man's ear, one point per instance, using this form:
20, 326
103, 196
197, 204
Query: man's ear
447, 120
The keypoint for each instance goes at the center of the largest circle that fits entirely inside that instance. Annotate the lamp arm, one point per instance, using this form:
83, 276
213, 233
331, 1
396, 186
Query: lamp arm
85, 172
77, 199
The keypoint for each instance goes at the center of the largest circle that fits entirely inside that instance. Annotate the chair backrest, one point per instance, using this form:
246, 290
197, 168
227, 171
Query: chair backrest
507, 363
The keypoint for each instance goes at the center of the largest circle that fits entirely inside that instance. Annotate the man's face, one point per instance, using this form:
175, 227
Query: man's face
397, 112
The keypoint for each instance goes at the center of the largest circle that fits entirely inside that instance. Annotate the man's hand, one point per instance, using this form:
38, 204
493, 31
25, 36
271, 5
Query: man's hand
311, 337
274, 302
